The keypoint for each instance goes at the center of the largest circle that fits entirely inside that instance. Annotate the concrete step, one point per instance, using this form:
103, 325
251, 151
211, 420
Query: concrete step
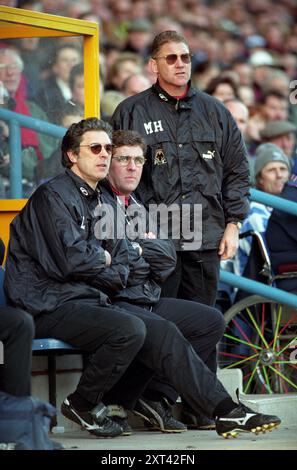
232, 380
282, 405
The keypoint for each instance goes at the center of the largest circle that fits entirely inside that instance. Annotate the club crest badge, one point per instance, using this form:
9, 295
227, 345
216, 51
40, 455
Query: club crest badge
159, 157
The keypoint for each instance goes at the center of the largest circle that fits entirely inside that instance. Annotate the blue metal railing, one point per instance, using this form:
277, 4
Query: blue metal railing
274, 201
258, 288
15, 121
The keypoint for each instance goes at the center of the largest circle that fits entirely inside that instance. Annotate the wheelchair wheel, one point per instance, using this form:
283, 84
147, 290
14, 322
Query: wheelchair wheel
261, 339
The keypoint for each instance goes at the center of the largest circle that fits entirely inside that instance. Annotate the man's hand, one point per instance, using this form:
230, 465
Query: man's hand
229, 243
150, 235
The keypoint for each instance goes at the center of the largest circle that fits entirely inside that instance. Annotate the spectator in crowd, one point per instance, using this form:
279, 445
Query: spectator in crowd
275, 106
240, 114
196, 156
69, 114
139, 37
35, 147
56, 89
282, 134
271, 171
16, 334
281, 235
278, 81
203, 71
134, 84
109, 102
246, 95
244, 71
77, 85
70, 275
261, 62
32, 57
126, 64
223, 88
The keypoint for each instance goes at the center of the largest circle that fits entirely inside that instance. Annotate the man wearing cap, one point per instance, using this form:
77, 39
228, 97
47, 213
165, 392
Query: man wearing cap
271, 171
283, 134
139, 36
281, 238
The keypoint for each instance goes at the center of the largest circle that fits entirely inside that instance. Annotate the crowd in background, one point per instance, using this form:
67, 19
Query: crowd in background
242, 50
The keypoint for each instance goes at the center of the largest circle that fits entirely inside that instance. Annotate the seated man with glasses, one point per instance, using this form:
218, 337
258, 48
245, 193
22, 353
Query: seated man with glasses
151, 261
57, 271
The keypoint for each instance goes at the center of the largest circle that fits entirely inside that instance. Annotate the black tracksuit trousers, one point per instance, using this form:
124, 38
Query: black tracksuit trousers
201, 325
115, 336
16, 334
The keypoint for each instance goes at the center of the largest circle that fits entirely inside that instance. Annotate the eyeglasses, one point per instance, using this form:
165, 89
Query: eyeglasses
172, 58
9, 67
124, 160
97, 148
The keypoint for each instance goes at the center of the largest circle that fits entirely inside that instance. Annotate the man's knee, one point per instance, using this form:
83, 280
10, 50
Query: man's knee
218, 322
131, 330
20, 322
166, 328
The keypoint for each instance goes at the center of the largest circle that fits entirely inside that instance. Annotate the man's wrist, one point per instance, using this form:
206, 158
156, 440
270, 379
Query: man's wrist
235, 222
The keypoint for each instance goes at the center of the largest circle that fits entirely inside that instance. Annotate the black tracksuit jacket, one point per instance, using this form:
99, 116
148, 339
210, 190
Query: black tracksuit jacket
196, 155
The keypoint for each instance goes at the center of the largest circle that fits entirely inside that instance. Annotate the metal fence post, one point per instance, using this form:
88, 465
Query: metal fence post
15, 153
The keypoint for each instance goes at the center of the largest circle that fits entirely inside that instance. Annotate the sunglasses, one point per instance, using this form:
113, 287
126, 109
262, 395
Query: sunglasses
125, 159
172, 58
97, 148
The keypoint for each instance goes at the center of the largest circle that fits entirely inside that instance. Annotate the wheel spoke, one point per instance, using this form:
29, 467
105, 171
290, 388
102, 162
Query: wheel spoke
263, 319
238, 326
287, 345
283, 377
267, 379
277, 326
257, 327
226, 354
251, 377
283, 329
242, 341
241, 362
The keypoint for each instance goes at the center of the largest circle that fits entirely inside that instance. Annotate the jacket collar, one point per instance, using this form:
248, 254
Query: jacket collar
105, 185
82, 186
164, 96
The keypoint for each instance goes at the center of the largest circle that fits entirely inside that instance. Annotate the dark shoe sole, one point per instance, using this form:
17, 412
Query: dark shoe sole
202, 427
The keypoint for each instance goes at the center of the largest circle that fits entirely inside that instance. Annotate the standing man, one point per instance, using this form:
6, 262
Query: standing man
196, 157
